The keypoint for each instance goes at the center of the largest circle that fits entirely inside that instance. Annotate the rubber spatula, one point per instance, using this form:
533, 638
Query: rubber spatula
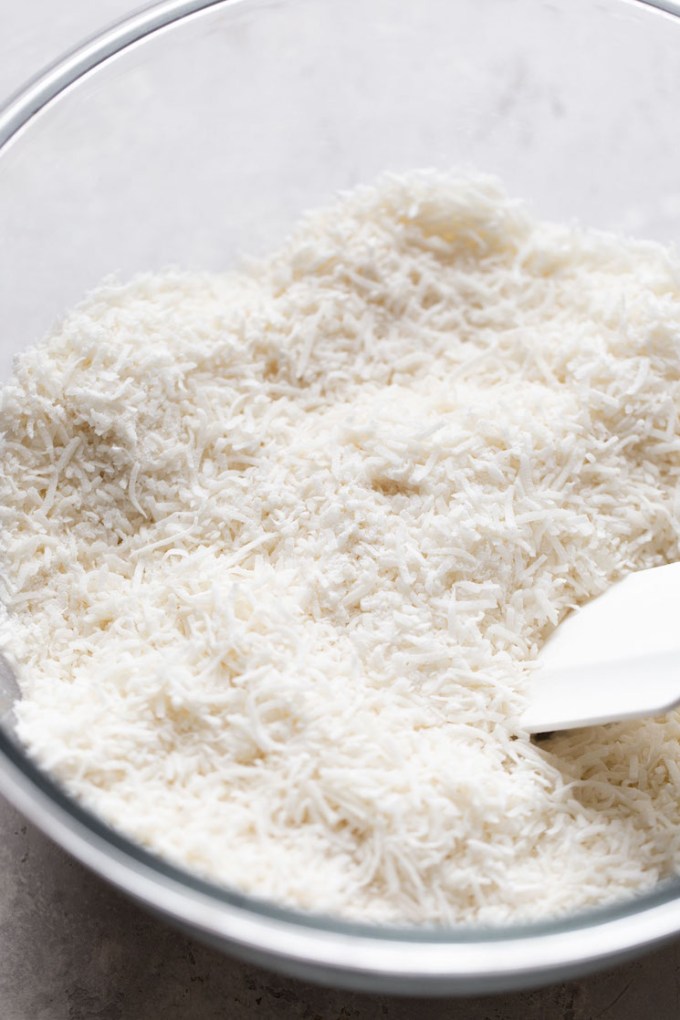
615, 658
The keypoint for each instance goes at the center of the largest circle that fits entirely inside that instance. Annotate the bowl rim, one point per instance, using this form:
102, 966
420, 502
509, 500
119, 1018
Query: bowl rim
362, 956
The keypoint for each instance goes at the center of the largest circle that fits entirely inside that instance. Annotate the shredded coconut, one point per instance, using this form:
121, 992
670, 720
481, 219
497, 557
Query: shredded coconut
280, 546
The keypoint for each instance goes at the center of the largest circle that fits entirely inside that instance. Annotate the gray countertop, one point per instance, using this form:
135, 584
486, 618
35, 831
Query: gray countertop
73, 949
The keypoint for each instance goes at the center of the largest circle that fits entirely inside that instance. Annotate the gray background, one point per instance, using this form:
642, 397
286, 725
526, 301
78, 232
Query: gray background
72, 948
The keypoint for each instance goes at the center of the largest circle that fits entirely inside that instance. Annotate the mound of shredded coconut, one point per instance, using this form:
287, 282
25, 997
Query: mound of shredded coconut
280, 547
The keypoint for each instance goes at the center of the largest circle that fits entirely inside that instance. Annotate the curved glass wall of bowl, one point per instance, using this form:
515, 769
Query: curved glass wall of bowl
200, 136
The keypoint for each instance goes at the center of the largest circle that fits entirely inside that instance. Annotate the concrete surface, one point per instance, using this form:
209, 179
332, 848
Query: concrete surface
72, 949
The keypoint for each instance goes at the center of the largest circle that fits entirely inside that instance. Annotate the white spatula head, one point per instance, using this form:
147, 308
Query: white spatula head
618, 657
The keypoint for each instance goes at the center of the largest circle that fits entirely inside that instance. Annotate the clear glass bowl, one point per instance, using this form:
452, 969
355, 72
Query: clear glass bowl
198, 131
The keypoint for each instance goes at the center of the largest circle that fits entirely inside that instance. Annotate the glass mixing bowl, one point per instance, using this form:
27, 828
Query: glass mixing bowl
195, 132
